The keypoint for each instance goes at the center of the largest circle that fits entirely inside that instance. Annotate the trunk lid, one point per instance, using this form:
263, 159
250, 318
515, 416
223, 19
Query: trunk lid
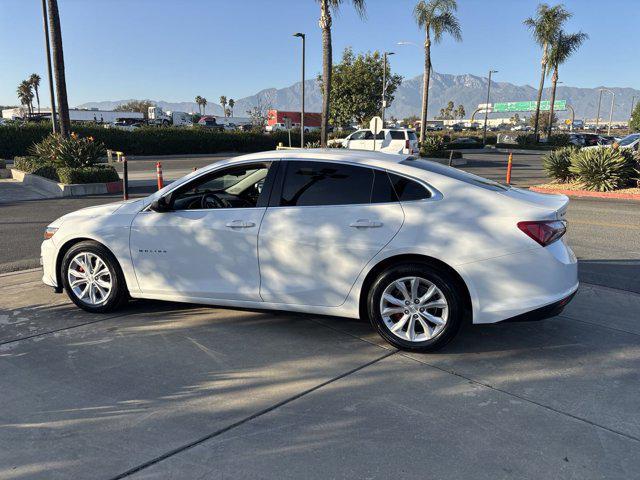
547, 201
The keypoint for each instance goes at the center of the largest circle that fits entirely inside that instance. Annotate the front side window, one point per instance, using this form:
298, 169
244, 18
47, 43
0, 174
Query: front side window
239, 186
325, 183
358, 135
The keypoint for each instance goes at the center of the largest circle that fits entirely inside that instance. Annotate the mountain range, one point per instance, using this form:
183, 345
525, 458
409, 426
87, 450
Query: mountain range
468, 90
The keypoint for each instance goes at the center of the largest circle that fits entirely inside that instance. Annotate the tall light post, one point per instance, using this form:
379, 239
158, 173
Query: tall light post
633, 104
613, 98
384, 85
486, 109
598, 114
303, 37
50, 74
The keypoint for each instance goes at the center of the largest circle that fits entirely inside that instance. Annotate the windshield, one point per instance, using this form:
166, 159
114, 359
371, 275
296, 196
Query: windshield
455, 173
629, 139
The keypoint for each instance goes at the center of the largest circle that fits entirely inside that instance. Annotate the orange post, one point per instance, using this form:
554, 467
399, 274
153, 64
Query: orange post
159, 174
509, 165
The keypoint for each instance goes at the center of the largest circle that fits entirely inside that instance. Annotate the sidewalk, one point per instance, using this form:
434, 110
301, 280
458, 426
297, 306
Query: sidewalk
14, 191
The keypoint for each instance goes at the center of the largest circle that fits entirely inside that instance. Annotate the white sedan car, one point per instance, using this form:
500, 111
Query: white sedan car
416, 247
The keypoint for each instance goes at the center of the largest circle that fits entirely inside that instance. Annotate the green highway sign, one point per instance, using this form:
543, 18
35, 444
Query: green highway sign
545, 105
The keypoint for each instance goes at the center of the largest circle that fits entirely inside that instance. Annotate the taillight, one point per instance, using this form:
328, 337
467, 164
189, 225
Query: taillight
407, 144
544, 232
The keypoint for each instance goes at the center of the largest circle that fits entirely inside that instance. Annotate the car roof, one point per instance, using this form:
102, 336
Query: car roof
367, 157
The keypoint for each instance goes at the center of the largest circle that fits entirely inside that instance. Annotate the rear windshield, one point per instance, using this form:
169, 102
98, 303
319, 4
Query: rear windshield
455, 173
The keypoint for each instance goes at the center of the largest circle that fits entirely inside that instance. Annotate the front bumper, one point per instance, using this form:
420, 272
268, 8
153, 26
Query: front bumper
48, 261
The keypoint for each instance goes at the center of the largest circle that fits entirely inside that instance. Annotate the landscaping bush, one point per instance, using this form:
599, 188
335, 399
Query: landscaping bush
434, 146
93, 174
36, 166
557, 162
603, 169
559, 140
72, 152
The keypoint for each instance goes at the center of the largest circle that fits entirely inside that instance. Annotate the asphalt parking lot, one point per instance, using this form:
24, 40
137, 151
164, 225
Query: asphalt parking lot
165, 390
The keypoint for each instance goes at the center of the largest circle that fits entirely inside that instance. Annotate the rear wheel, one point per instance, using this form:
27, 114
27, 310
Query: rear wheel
92, 278
415, 307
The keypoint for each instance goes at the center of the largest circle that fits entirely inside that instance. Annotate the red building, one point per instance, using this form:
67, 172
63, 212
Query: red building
277, 117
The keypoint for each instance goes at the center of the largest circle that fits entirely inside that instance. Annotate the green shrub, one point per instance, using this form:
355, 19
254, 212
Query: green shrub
557, 162
526, 140
603, 169
559, 140
74, 151
431, 145
93, 174
36, 166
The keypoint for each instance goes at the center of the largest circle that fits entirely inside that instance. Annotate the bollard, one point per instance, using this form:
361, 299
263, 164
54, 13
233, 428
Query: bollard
125, 178
195, 168
119, 155
109, 157
509, 165
159, 174
451, 159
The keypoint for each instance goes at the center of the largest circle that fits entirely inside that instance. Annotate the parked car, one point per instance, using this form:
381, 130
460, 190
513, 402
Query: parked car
416, 247
630, 142
396, 140
210, 122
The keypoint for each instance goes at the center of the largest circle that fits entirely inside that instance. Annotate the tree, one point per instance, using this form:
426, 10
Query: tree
326, 7
141, 106
223, 102
25, 95
543, 120
544, 28
232, 103
198, 101
562, 48
410, 120
436, 17
634, 122
460, 112
356, 86
58, 67
34, 80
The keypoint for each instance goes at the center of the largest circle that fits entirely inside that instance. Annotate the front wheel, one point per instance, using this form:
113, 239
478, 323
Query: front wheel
415, 307
92, 278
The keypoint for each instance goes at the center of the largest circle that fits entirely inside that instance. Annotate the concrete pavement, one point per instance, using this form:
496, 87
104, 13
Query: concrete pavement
165, 390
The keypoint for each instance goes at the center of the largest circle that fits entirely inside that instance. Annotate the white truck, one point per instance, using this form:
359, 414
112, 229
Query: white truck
178, 119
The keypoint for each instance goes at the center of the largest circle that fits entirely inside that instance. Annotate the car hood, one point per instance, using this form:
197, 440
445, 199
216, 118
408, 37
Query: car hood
100, 210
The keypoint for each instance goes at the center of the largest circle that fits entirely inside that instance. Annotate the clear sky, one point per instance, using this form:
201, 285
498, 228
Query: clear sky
173, 50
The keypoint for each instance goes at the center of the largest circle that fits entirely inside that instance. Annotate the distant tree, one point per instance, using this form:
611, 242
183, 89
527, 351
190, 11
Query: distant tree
25, 95
436, 17
198, 101
34, 80
259, 113
563, 47
544, 28
223, 102
515, 118
460, 112
447, 112
232, 103
204, 105
141, 106
634, 123
543, 120
410, 120
356, 85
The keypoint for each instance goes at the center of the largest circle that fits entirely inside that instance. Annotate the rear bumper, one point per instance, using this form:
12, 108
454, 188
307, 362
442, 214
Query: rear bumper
542, 313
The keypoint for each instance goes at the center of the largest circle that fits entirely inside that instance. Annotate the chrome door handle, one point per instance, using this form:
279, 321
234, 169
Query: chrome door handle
365, 224
240, 224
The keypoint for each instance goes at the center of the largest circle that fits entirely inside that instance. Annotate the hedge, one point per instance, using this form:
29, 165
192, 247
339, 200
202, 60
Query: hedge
95, 174
36, 166
15, 140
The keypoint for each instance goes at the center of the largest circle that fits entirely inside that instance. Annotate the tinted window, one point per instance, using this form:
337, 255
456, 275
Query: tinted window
325, 183
407, 189
454, 173
358, 135
383, 191
397, 135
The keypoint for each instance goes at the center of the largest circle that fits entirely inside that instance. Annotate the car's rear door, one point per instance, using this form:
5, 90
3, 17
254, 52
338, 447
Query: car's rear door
325, 222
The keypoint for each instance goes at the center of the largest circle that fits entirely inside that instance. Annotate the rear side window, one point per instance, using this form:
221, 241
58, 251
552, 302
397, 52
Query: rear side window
397, 135
383, 191
407, 189
325, 183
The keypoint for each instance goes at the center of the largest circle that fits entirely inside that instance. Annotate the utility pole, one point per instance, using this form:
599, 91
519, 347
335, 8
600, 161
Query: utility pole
486, 109
384, 85
598, 115
613, 97
633, 104
303, 37
50, 74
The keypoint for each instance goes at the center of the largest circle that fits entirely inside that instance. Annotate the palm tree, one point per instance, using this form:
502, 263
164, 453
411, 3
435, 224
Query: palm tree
544, 28
223, 102
436, 17
34, 80
198, 100
204, 105
25, 95
58, 67
327, 53
232, 103
563, 47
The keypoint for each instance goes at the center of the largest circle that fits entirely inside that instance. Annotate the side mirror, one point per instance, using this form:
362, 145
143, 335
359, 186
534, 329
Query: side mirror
160, 205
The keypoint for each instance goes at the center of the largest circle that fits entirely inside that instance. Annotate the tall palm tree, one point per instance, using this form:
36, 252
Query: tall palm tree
58, 67
25, 95
34, 80
232, 103
204, 105
198, 100
544, 28
436, 17
562, 48
326, 7
223, 102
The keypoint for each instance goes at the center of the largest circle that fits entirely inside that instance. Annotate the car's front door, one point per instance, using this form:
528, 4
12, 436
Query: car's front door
325, 222
205, 245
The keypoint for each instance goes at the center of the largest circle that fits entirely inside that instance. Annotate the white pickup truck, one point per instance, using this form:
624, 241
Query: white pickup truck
389, 140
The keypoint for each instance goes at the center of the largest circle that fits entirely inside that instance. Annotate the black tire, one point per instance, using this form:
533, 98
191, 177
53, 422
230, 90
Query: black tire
442, 280
118, 295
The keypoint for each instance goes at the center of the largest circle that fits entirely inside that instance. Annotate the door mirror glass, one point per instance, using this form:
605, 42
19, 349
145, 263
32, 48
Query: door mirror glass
160, 205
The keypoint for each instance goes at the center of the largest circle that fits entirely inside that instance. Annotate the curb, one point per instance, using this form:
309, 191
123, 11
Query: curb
56, 189
588, 193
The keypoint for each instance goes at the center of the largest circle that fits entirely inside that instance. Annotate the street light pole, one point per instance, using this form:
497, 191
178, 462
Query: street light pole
598, 115
50, 74
613, 98
384, 85
486, 109
303, 37
633, 104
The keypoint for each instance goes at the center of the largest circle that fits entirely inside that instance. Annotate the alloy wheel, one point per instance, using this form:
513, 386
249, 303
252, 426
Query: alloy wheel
89, 278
